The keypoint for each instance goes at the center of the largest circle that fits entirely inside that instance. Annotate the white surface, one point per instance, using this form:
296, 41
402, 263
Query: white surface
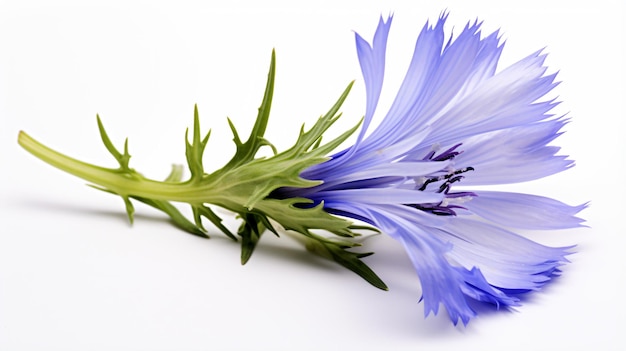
75, 276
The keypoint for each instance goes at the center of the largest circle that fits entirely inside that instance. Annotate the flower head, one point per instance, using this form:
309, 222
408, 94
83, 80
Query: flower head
456, 121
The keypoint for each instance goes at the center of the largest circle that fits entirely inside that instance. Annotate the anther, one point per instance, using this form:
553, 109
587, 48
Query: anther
449, 178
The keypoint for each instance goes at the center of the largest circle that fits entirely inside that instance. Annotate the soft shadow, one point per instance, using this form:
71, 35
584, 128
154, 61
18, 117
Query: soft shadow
389, 262
121, 216
292, 253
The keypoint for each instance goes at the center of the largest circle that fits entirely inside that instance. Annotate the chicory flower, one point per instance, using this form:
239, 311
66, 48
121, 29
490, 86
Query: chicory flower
456, 121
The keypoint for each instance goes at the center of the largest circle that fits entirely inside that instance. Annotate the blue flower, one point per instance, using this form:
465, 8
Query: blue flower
455, 121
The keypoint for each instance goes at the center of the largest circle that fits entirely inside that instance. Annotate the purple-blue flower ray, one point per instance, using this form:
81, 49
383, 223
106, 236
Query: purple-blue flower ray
456, 120
403, 170
442, 282
524, 211
371, 59
380, 196
506, 259
523, 149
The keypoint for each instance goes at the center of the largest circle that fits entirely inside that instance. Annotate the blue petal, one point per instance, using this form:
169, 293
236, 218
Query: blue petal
443, 282
524, 211
402, 170
399, 121
508, 99
508, 261
513, 155
380, 196
372, 59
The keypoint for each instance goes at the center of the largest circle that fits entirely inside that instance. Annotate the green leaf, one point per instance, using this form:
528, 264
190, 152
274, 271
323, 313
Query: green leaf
130, 209
250, 231
195, 151
122, 159
175, 215
205, 211
350, 260
176, 174
246, 151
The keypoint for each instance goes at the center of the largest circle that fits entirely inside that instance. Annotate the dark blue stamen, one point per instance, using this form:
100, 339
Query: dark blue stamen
449, 178
446, 155
434, 209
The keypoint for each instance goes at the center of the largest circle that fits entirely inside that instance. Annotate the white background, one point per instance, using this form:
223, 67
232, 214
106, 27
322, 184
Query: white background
74, 275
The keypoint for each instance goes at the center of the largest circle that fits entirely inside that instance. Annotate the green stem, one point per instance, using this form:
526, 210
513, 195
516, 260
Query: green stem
116, 181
